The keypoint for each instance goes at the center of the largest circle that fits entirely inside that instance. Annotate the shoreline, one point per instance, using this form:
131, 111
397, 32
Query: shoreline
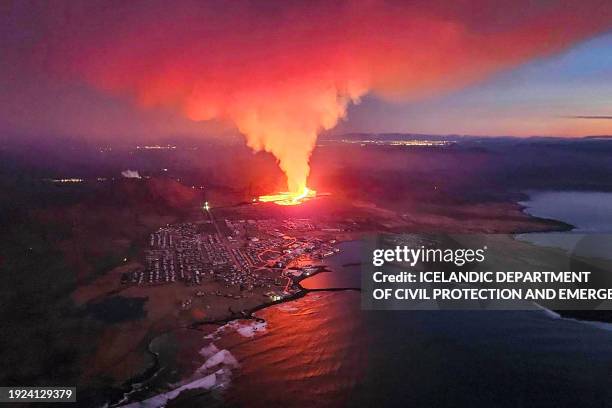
562, 226
248, 314
134, 383
582, 316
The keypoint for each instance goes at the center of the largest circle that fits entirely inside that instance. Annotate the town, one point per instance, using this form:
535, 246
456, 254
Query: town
241, 255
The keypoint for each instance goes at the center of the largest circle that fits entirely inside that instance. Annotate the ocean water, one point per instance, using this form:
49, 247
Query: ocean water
587, 212
323, 351
329, 353
345, 267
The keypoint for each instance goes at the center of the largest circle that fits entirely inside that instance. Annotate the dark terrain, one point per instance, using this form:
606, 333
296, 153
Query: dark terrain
55, 237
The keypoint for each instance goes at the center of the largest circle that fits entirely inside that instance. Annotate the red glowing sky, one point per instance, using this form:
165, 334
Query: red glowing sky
268, 68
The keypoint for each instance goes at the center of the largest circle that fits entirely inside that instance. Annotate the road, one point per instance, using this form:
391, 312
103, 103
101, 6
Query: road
223, 238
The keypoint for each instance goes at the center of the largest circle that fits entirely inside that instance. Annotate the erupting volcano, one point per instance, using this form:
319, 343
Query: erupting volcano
283, 72
289, 198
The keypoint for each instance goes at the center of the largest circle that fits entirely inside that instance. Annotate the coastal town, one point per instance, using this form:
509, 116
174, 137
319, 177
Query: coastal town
239, 256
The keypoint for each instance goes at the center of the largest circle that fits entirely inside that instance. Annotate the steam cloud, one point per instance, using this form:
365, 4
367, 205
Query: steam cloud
130, 174
283, 71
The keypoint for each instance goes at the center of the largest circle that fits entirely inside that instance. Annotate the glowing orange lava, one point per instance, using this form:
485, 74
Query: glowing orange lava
289, 198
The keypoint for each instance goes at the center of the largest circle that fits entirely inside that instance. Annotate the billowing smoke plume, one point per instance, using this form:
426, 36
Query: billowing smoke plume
282, 71
130, 174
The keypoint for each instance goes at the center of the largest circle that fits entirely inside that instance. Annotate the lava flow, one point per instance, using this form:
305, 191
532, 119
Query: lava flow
289, 198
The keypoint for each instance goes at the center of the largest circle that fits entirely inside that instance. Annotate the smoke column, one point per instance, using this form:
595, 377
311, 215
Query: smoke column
282, 71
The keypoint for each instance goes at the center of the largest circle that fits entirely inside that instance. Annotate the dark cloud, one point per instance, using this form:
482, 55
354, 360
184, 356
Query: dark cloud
589, 117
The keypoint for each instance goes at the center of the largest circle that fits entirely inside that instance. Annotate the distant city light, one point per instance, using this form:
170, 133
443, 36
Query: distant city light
156, 147
67, 180
412, 142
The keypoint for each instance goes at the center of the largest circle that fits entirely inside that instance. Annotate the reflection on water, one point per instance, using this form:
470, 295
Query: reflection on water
323, 350
308, 356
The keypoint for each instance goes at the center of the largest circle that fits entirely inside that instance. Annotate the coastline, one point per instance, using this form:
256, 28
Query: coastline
537, 224
248, 313
583, 316
556, 225
134, 384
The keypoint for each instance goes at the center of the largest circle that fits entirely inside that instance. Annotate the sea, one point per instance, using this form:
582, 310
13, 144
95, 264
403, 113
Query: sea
587, 212
324, 351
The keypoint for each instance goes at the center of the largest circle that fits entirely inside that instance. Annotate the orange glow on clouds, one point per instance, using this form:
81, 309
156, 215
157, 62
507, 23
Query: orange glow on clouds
284, 71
